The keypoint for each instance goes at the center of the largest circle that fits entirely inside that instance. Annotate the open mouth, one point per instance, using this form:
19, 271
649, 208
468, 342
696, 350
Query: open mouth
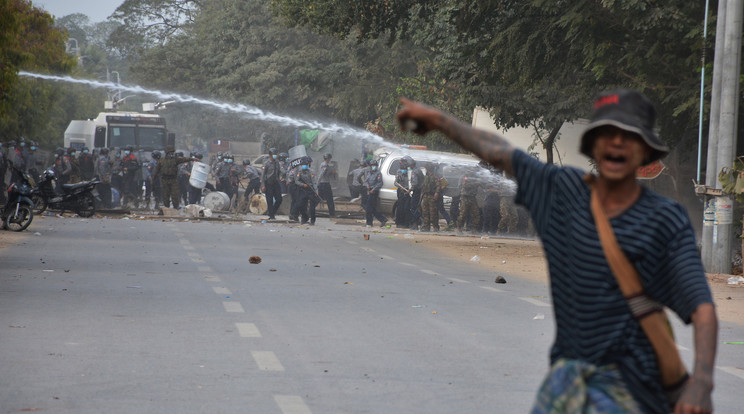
615, 158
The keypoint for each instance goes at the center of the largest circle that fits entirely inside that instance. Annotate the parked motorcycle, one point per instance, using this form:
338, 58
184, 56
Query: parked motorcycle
79, 197
18, 211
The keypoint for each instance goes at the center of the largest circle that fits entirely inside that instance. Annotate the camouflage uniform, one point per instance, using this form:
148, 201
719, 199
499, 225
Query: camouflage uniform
509, 216
167, 171
429, 203
469, 205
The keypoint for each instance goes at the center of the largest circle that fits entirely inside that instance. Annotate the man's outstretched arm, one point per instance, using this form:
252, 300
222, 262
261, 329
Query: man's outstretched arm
492, 148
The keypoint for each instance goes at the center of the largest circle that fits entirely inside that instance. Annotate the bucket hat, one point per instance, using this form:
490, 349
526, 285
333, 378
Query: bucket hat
628, 110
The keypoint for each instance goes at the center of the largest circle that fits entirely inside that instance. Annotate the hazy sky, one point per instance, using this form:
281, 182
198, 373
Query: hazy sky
96, 10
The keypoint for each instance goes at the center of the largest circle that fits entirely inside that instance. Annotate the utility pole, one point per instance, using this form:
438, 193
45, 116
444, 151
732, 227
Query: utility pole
711, 170
723, 226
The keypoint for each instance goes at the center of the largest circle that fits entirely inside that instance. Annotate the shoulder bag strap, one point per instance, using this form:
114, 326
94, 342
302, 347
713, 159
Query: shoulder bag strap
649, 313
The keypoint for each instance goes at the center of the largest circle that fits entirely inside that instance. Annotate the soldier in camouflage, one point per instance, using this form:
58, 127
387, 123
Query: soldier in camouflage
468, 204
431, 190
167, 171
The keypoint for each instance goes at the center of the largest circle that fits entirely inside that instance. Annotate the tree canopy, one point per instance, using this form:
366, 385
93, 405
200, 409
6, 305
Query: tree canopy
28, 41
538, 62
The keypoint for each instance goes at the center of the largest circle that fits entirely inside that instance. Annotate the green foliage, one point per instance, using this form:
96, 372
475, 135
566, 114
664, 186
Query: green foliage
28, 41
538, 62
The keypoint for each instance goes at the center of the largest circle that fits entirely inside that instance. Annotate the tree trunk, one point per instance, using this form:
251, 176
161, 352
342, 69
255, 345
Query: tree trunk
550, 143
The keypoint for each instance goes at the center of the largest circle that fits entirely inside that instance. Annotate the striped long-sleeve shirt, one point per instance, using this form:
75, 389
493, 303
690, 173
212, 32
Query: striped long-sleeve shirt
593, 320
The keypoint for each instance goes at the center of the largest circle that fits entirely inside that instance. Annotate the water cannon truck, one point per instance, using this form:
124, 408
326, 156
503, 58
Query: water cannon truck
144, 132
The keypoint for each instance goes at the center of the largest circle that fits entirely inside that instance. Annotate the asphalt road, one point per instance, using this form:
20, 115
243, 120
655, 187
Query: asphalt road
160, 316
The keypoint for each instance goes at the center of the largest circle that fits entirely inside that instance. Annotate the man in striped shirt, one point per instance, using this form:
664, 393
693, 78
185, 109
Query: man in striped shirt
601, 360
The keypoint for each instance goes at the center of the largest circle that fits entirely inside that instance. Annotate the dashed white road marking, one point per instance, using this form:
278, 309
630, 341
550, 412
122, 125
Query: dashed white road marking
454, 279
408, 264
210, 278
179, 234
267, 361
188, 247
205, 269
247, 330
222, 291
386, 257
536, 302
492, 289
184, 241
429, 272
733, 371
291, 404
367, 249
234, 307
351, 242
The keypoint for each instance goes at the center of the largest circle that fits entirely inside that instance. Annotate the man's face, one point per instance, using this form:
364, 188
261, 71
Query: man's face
618, 152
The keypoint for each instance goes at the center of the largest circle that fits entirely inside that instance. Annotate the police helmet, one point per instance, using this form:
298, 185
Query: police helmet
59, 151
272, 151
283, 156
104, 151
155, 155
71, 150
198, 155
179, 154
11, 143
372, 163
246, 162
327, 156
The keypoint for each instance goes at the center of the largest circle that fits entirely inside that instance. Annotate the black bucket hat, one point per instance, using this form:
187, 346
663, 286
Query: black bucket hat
628, 110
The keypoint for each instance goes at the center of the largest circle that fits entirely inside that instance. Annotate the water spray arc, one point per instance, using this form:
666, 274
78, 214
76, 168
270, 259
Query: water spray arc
246, 110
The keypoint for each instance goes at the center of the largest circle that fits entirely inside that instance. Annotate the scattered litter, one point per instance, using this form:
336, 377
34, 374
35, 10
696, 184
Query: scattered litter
483, 247
272, 270
348, 283
263, 221
67, 270
434, 313
735, 280
195, 210
366, 237
500, 279
503, 262
47, 270
475, 258
254, 260
734, 343
539, 316
125, 218
417, 306
316, 265
484, 237
408, 236
37, 234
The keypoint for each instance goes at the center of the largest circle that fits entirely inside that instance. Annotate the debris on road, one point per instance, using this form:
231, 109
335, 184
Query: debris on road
254, 260
500, 279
